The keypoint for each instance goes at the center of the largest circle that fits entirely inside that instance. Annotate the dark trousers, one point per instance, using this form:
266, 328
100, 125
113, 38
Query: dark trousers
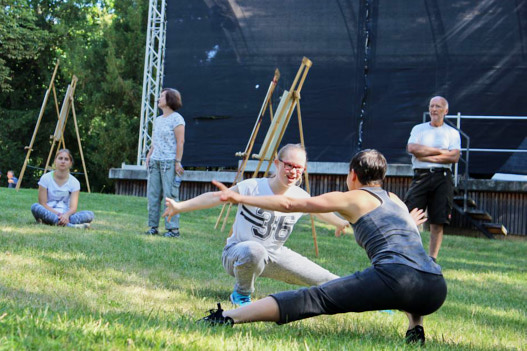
386, 286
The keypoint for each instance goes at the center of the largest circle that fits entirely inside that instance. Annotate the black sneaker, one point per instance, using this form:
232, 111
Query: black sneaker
415, 335
172, 233
216, 318
152, 231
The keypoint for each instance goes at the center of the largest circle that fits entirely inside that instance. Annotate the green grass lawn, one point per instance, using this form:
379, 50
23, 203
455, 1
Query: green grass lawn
110, 288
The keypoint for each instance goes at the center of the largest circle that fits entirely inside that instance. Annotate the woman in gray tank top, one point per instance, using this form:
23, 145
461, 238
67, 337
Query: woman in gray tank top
402, 276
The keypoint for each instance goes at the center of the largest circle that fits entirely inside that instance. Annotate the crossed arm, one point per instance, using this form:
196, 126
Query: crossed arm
432, 154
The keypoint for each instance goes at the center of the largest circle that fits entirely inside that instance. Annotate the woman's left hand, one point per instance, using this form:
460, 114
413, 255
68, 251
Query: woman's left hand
418, 216
341, 228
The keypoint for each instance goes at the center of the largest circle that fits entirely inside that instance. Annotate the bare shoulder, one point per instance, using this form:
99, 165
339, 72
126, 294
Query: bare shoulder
397, 200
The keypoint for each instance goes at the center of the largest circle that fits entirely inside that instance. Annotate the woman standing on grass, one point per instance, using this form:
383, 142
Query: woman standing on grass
402, 275
163, 161
58, 196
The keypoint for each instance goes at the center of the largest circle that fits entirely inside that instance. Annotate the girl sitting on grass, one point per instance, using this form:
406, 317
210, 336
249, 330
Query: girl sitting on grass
58, 196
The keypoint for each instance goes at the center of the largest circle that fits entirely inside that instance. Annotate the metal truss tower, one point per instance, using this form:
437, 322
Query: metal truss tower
153, 74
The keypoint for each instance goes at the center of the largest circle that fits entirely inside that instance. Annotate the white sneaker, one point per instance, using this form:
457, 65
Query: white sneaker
79, 226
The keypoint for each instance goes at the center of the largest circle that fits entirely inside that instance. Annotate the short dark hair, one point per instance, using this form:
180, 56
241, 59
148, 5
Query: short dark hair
173, 98
370, 166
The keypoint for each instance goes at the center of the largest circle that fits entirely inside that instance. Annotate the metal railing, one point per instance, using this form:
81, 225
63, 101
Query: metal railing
467, 149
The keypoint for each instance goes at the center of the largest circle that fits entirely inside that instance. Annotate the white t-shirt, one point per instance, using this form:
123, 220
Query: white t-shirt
444, 137
163, 137
59, 196
269, 228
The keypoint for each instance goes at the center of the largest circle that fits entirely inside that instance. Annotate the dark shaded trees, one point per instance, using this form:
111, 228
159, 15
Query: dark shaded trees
102, 43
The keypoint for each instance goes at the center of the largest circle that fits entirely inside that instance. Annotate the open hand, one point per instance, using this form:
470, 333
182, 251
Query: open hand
418, 216
341, 229
171, 208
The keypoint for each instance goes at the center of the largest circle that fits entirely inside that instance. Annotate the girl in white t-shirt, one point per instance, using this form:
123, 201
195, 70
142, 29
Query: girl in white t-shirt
256, 246
58, 196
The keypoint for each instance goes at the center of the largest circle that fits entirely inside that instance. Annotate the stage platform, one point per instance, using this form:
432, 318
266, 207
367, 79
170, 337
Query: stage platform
505, 201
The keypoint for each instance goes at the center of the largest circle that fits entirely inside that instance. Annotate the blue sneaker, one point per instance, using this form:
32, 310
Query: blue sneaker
239, 299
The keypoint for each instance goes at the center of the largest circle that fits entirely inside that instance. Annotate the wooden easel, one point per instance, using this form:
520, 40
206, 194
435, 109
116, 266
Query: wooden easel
248, 149
58, 135
289, 101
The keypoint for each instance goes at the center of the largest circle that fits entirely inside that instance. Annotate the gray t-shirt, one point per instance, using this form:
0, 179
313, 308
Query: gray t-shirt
164, 138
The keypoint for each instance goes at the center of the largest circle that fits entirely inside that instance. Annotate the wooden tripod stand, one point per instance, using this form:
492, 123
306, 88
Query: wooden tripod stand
58, 135
288, 102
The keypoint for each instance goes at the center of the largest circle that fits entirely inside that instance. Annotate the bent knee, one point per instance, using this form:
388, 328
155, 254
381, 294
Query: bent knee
251, 253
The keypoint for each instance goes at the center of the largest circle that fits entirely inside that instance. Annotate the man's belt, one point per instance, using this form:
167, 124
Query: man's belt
431, 170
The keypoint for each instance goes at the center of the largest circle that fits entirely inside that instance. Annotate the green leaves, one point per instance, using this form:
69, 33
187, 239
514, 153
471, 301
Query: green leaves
102, 43
20, 39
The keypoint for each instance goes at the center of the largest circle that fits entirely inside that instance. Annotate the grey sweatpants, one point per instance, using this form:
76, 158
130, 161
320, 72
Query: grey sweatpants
248, 260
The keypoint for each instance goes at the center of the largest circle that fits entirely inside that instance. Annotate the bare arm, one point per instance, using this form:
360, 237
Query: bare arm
179, 133
200, 202
419, 150
330, 202
445, 157
43, 199
149, 154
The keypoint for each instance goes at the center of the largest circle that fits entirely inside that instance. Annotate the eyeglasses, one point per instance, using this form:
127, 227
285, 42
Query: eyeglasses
289, 166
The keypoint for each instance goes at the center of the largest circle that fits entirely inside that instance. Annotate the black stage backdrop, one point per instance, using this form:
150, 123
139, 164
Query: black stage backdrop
375, 66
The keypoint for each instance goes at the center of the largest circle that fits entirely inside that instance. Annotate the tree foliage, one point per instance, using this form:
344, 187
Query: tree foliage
102, 43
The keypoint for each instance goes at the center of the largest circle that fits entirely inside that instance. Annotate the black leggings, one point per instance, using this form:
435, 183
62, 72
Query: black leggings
386, 286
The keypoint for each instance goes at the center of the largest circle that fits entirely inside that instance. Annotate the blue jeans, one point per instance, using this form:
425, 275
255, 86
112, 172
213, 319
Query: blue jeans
48, 217
162, 182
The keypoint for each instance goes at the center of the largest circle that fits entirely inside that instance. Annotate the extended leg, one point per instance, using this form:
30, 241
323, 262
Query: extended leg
293, 268
264, 310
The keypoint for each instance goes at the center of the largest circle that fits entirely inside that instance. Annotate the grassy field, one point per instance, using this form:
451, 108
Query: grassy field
110, 288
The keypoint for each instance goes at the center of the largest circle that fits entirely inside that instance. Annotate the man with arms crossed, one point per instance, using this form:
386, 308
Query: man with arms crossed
434, 146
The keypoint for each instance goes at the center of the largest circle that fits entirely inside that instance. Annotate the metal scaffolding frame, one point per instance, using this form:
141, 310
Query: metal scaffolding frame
153, 74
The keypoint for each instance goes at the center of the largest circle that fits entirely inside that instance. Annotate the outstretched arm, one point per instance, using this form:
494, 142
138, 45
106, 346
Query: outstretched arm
330, 202
200, 202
